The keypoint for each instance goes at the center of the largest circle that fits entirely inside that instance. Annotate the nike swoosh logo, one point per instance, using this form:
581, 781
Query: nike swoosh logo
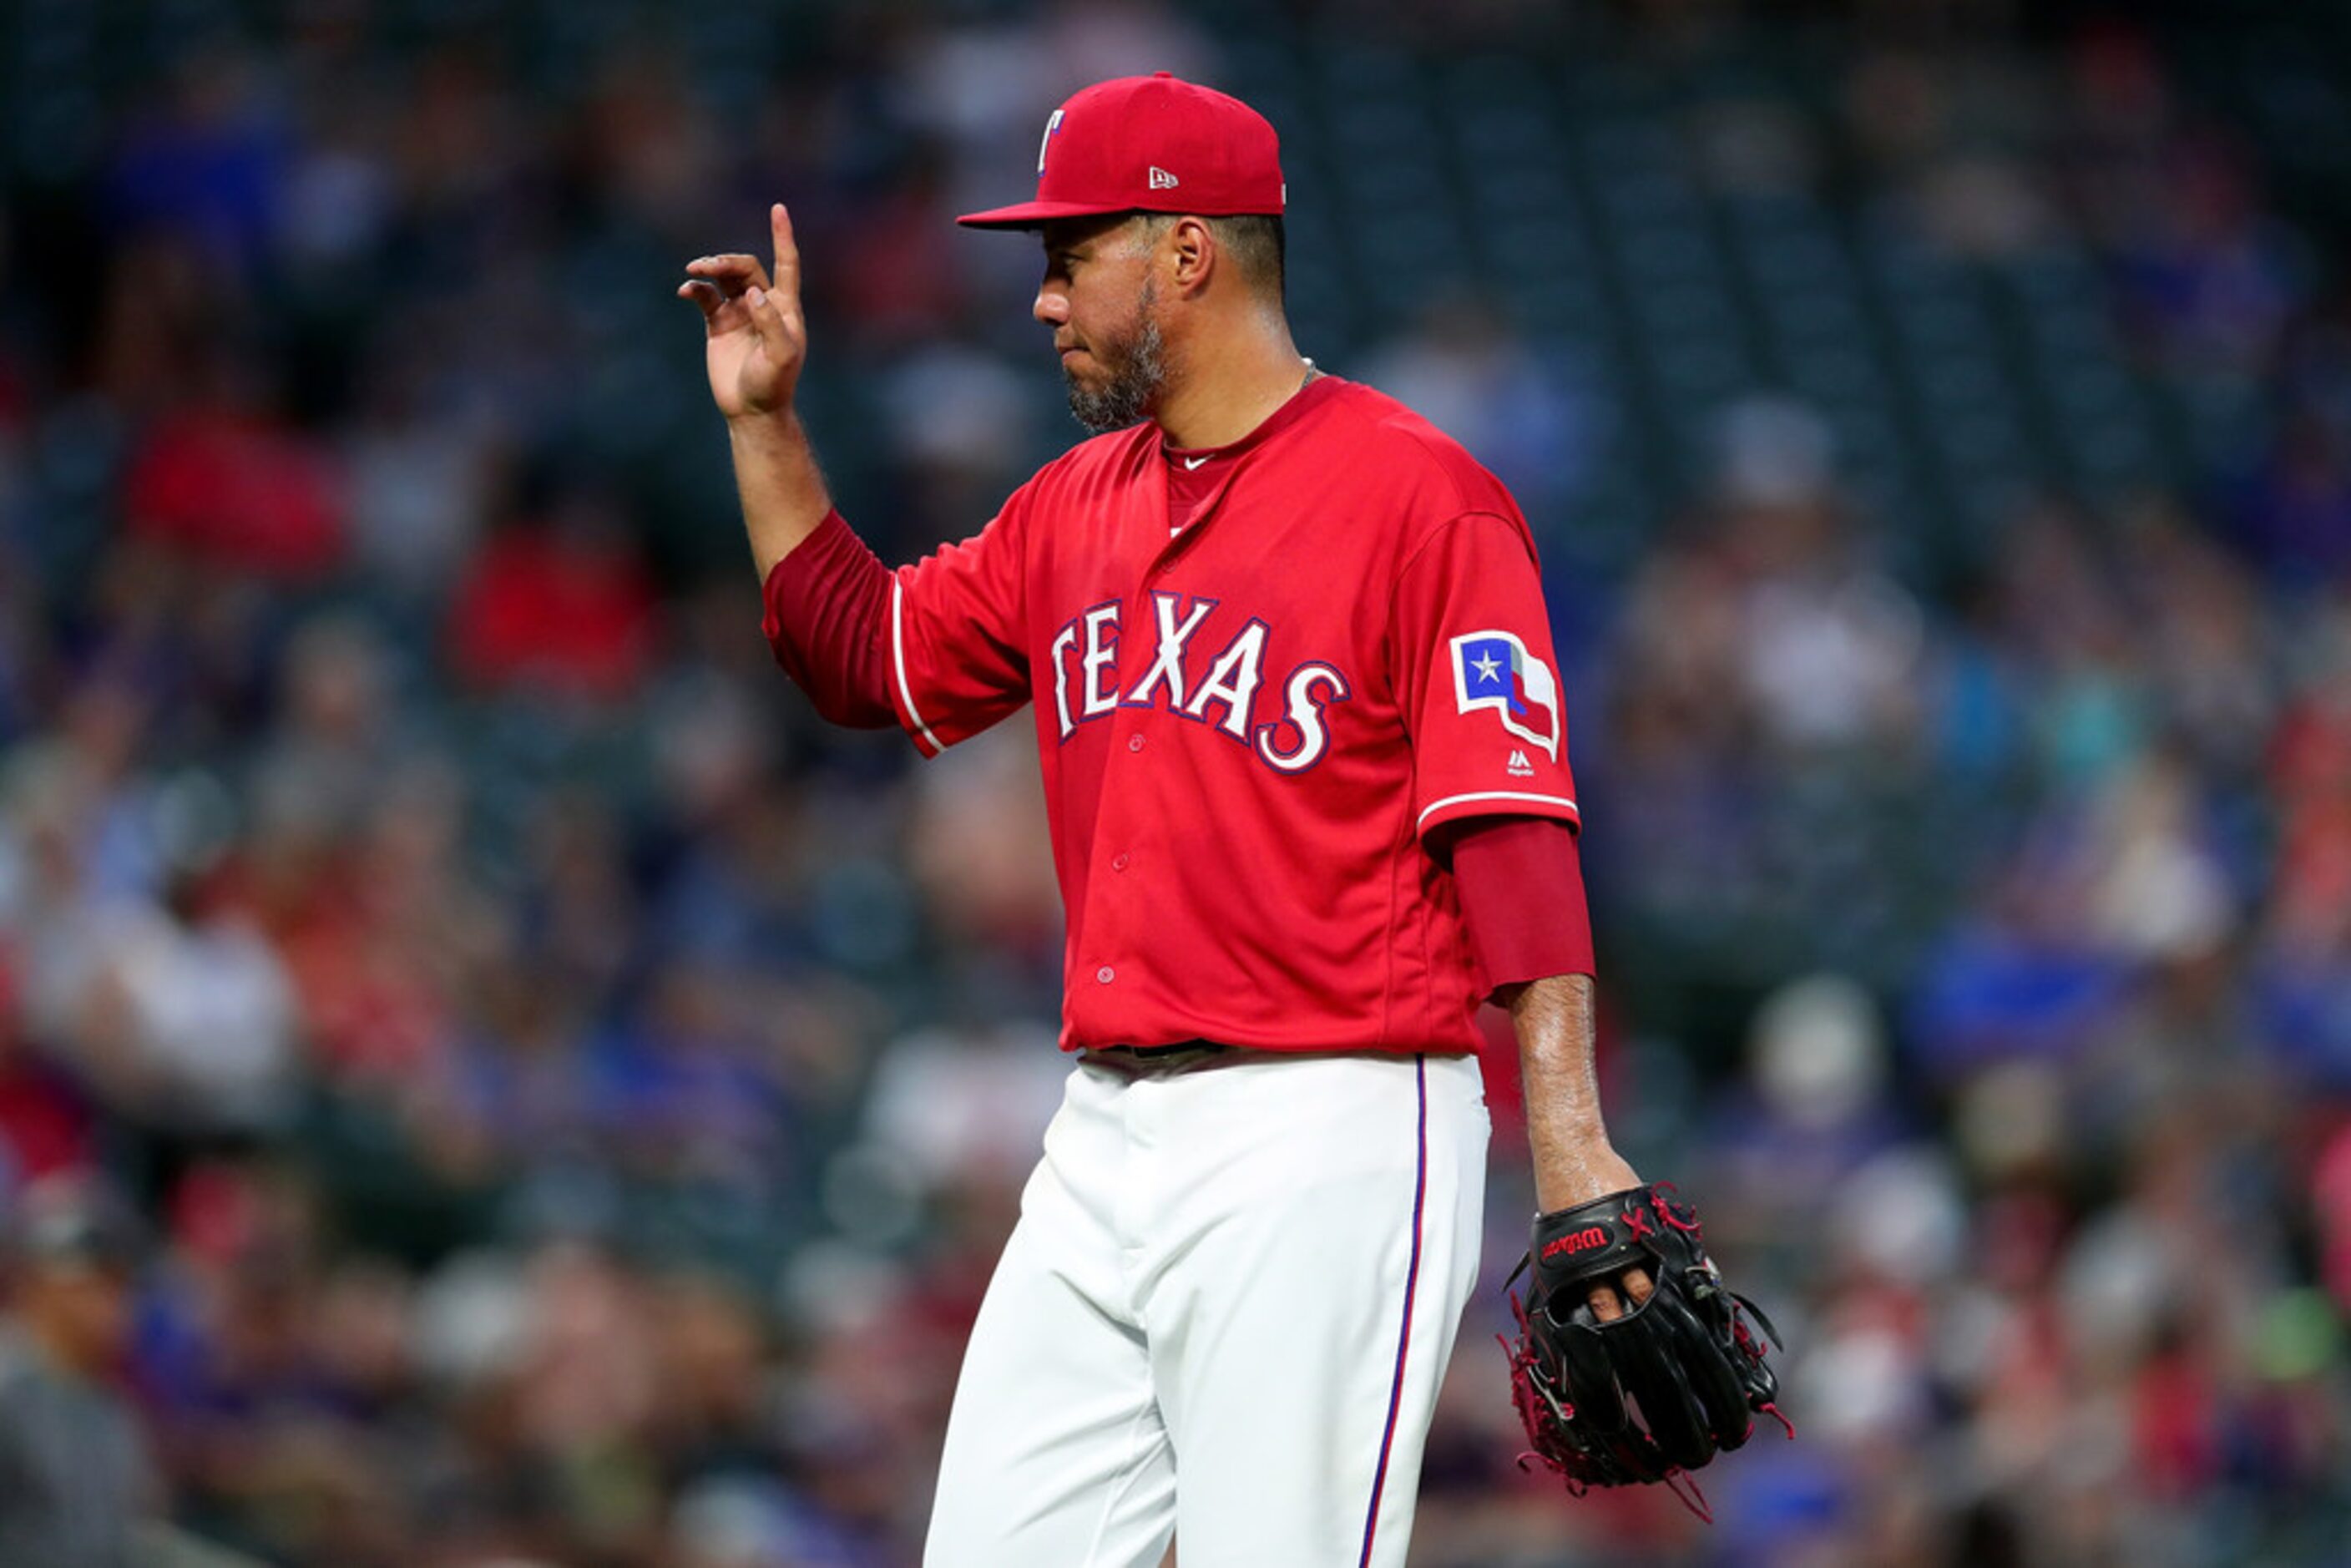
1194, 462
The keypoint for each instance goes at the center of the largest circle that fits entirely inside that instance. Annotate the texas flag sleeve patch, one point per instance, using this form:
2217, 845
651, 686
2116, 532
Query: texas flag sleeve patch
1494, 670
1488, 715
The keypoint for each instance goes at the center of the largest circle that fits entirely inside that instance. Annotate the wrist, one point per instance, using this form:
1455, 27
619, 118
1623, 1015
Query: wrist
782, 422
1572, 1174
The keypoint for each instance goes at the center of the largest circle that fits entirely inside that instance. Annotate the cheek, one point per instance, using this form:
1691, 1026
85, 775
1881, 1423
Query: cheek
1109, 325
1104, 303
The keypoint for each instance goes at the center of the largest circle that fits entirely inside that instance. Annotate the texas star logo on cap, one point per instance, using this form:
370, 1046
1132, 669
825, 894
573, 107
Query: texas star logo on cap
1152, 143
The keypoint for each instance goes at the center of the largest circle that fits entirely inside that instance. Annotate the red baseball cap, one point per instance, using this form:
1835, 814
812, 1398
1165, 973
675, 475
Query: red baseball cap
1150, 145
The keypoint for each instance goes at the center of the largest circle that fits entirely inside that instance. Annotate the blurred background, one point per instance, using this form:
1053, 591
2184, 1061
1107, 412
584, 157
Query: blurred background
487, 1079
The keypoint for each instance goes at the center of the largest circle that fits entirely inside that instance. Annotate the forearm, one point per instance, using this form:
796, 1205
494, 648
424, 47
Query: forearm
782, 489
1574, 1160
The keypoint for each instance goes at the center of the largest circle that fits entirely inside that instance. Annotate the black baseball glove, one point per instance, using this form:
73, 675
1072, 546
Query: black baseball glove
1683, 1359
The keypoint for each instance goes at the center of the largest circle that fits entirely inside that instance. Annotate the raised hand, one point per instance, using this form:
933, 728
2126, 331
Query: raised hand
757, 339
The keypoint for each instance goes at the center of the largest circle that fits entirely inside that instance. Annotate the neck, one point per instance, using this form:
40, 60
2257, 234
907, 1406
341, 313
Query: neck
1224, 384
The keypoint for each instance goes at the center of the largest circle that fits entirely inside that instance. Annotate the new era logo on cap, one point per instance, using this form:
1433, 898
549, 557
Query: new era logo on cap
1113, 148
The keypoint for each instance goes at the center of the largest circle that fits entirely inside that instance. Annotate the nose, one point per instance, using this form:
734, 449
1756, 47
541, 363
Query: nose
1051, 308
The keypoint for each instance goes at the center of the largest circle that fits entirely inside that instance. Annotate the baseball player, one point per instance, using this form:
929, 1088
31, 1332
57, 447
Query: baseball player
1305, 761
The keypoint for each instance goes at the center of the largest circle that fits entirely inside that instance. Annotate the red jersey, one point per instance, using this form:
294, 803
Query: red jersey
1247, 726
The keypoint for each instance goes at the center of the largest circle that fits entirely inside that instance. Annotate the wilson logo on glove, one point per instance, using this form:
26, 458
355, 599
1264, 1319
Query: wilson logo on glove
1582, 1241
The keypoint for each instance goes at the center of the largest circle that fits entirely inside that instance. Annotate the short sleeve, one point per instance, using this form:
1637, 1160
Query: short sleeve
1478, 678
959, 657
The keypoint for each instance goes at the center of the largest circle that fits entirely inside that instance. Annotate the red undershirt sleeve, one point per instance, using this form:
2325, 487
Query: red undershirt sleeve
827, 618
1521, 883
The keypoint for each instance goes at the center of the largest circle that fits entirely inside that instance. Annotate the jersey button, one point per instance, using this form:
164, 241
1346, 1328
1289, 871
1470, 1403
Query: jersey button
1105, 974
1118, 863
1135, 743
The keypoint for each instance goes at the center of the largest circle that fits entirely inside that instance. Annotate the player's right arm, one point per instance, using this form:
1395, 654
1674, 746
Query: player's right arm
936, 647
756, 341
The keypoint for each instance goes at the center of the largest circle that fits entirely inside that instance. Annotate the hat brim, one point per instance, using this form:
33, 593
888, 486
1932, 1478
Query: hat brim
1036, 214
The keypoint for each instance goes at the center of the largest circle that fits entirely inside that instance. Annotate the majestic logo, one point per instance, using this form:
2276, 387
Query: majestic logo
1575, 1241
1052, 128
1520, 768
1494, 670
1161, 180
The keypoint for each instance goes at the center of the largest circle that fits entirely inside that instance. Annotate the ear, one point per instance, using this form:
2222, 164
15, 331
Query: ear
1190, 254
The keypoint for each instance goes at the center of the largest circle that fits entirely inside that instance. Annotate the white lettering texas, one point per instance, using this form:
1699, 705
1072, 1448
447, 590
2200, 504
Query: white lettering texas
1219, 689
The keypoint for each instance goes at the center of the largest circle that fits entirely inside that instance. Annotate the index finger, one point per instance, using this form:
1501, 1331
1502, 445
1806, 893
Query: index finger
787, 254
736, 273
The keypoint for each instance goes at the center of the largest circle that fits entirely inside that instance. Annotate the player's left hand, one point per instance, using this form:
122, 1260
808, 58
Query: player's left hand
1682, 1355
1592, 1170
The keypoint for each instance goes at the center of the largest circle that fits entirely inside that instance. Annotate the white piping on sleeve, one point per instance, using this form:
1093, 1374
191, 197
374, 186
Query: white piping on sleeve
898, 657
1435, 806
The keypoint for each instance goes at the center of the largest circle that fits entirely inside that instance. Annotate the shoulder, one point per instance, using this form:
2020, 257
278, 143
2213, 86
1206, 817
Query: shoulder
1398, 437
1119, 457
1390, 445
1075, 484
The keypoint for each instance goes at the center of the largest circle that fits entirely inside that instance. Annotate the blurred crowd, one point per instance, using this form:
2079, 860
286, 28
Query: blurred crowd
485, 1079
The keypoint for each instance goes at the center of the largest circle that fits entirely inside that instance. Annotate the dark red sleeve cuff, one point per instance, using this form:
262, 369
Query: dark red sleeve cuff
828, 606
1521, 883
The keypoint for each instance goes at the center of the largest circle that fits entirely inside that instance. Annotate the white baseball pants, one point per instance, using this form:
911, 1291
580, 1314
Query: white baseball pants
1222, 1317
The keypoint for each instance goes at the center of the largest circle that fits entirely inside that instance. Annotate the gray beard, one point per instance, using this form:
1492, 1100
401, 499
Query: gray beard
1133, 388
